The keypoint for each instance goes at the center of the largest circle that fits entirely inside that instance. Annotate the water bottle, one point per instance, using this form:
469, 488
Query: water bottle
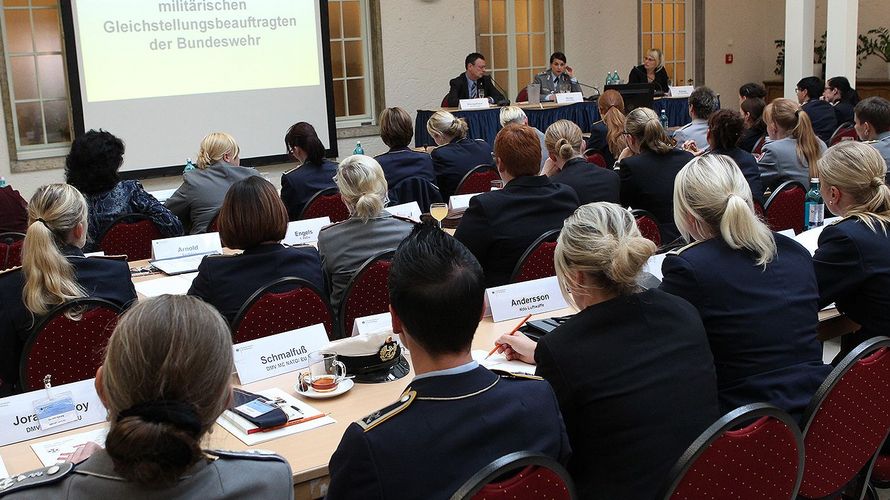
358, 149
609, 78
814, 207
189, 166
617, 78
2, 182
664, 119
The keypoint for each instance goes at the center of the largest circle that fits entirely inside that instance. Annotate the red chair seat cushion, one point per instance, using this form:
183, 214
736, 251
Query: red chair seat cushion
531, 483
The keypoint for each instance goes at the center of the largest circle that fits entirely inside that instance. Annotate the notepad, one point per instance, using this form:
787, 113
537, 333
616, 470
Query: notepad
228, 420
173, 285
498, 361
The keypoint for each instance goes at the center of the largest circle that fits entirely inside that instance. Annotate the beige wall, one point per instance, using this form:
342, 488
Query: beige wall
601, 37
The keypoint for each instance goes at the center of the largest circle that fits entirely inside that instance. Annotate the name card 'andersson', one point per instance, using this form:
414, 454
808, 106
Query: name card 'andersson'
276, 354
184, 246
305, 232
528, 297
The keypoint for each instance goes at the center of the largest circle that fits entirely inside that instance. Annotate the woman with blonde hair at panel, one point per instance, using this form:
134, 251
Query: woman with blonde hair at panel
651, 71
566, 165
607, 135
754, 289
793, 149
198, 199
54, 271
457, 154
853, 258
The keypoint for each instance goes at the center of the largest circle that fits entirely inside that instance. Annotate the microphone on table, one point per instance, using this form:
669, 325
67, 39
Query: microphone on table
504, 101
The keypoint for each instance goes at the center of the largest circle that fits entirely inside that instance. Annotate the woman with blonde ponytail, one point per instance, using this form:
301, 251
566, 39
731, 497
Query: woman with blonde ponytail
54, 270
754, 289
793, 150
853, 259
457, 154
565, 165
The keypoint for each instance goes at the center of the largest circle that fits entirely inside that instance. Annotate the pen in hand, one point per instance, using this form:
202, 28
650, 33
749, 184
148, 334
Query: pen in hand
512, 332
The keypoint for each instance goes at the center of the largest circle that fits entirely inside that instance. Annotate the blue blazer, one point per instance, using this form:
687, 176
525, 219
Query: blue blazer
599, 132
298, 185
453, 160
748, 165
823, 117
401, 163
591, 182
761, 323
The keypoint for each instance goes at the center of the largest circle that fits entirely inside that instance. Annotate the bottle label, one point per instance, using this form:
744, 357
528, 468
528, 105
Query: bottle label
814, 214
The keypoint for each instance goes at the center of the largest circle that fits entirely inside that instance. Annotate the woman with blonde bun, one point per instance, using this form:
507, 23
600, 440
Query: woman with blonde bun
566, 165
634, 365
457, 154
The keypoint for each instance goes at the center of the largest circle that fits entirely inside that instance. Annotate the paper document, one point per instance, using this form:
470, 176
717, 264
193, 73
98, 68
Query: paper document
653, 265
173, 285
227, 420
181, 265
498, 361
162, 194
57, 450
810, 238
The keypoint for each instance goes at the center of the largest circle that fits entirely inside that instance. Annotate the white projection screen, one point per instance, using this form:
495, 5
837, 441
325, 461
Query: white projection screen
161, 74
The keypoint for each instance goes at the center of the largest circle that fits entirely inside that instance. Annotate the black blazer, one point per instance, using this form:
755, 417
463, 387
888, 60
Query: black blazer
748, 165
761, 323
638, 75
458, 89
498, 226
453, 160
101, 277
635, 382
843, 111
822, 115
227, 281
598, 141
647, 182
591, 182
750, 136
298, 185
401, 163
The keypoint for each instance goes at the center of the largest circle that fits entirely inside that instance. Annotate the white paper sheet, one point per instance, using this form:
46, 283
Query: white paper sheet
173, 285
653, 265
261, 437
497, 361
3, 472
810, 238
162, 194
50, 452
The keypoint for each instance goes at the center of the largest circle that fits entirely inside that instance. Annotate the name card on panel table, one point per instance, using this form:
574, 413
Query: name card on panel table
18, 420
372, 324
460, 201
276, 354
185, 246
407, 210
529, 297
305, 232
569, 97
481, 103
681, 91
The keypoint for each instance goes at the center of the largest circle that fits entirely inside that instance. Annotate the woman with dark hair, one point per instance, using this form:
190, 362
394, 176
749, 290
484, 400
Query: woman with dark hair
91, 166
755, 128
252, 218
313, 173
401, 162
840, 94
751, 91
809, 91
724, 131
607, 135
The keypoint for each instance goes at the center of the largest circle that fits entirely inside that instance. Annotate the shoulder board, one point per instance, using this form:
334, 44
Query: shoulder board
332, 224
542, 73
687, 247
834, 223
870, 142
406, 219
521, 376
376, 418
110, 257
600, 121
480, 140
685, 126
263, 455
289, 171
221, 255
35, 478
11, 269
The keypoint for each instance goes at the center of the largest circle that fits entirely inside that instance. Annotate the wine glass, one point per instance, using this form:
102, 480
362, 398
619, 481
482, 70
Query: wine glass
439, 211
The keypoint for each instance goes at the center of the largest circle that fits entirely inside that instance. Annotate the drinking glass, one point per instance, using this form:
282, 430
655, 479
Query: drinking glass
325, 372
439, 211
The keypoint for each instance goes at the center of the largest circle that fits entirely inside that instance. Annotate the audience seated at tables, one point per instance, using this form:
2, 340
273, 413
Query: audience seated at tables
457, 154
158, 422
872, 122
313, 174
91, 166
754, 289
840, 94
401, 162
515, 114
13, 211
198, 199
793, 149
822, 116
498, 226
702, 102
755, 128
252, 218
853, 258
456, 417
54, 270
651, 71
724, 130
607, 135
566, 165
647, 168
369, 230
632, 370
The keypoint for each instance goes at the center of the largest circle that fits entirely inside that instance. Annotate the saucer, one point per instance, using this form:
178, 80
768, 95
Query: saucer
342, 387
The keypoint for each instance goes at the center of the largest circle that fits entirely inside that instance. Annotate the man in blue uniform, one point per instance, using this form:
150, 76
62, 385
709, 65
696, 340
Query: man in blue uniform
872, 122
456, 417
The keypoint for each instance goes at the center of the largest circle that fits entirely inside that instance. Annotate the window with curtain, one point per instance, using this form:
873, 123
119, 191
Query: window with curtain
663, 26
351, 61
38, 85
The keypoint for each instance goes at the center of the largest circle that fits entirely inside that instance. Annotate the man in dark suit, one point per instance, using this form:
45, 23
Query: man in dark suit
500, 225
822, 116
473, 83
434, 438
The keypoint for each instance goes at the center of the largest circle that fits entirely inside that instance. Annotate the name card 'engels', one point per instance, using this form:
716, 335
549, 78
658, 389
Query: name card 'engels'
305, 232
459, 201
19, 423
276, 354
528, 297
185, 246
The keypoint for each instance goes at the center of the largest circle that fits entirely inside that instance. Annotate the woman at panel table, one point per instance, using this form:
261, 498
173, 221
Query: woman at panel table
457, 154
91, 166
754, 289
793, 149
565, 165
198, 199
252, 218
651, 71
54, 270
724, 131
607, 135
165, 380
853, 259
400, 162
312, 175
632, 371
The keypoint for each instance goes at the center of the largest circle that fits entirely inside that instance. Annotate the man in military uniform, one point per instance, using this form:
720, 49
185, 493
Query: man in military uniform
702, 103
871, 118
456, 417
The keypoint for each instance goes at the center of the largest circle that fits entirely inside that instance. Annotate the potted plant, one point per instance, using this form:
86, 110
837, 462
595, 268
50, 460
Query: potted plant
879, 44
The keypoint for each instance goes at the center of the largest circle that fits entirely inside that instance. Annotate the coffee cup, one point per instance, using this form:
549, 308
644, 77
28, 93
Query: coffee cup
325, 372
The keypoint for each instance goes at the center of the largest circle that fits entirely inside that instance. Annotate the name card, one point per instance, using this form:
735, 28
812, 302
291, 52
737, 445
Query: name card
481, 103
304, 232
185, 246
372, 324
276, 354
459, 201
19, 423
569, 97
528, 297
408, 210
681, 91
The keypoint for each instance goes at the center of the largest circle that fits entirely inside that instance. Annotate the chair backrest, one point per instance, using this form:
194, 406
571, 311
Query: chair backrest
763, 459
595, 157
758, 209
68, 349
847, 420
758, 146
648, 225
366, 293
784, 208
416, 189
537, 261
478, 180
11, 249
844, 132
326, 203
280, 306
130, 235
522, 96
213, 227
531, 476
445, 101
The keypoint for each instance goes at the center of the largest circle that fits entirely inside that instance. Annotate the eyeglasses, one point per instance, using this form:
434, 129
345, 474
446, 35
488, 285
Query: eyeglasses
799, 90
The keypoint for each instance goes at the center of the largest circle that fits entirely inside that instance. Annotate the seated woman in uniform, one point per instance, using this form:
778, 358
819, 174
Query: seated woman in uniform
91, 166
793, 150
754, 289
840, 94
369, 230
54, 270
198, 199
252, 218
565, 165
607, 135
755, 128
725, 127
313, 174
457, 154
400, 162
157, 422
632, 370
853, 258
